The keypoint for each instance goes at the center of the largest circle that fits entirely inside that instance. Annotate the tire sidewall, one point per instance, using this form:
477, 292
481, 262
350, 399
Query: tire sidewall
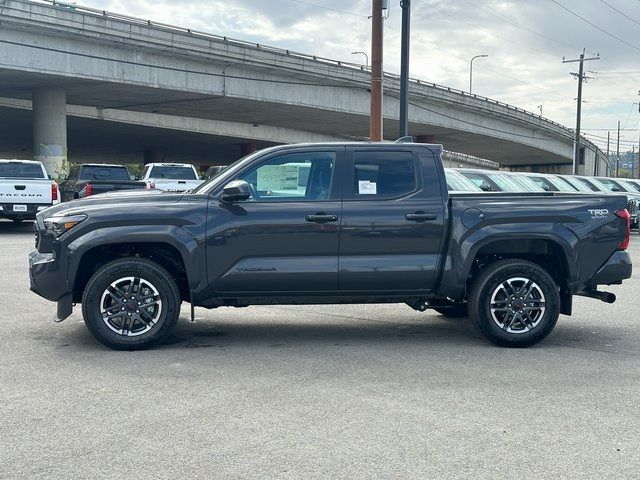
133, 267
482, 307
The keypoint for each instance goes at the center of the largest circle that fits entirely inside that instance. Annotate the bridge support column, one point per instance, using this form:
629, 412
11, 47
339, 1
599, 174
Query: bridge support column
247, 148
50, 129
426, 139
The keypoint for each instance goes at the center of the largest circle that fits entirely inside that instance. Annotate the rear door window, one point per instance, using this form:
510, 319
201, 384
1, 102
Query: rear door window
380, 175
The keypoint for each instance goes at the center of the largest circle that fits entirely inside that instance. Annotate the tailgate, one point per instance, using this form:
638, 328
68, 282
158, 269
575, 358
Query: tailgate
176, 185
114, 185
25, 191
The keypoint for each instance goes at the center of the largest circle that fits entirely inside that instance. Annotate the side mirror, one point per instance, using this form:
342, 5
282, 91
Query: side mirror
236, 191
616, 189
62, 177
485, 187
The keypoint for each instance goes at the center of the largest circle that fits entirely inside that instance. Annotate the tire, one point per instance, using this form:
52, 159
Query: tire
116, 288
515, 320
451, 310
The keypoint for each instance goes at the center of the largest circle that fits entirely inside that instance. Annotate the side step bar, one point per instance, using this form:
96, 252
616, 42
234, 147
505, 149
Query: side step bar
602, 296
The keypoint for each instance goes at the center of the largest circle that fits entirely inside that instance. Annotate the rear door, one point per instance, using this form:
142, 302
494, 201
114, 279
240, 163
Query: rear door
393, 219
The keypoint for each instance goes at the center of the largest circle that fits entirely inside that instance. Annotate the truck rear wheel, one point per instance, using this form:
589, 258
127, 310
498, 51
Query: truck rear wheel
514, 303
131, 304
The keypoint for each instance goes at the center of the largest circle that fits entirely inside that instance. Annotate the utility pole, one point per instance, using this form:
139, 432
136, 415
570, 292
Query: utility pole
638, 141
618, 152
375, 121
404, 68
633, 161
581, 78
608, 159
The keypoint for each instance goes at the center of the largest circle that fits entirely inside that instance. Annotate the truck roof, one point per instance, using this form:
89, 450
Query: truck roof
187, 165
10, 160
101, 165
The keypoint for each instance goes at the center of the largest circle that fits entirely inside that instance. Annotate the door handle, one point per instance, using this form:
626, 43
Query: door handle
321, 218
420, 216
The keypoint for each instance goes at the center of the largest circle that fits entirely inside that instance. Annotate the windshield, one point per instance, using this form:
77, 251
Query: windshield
526, 184
610, 185
90, 172
630, 186
173, 172
560, 184
21, 170
581, 184
457, 182
507, 184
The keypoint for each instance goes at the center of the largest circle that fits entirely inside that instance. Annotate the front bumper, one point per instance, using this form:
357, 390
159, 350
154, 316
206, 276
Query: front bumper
46, 276
616, 269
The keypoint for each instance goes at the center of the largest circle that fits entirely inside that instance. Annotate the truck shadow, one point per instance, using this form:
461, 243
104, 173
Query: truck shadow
7, 227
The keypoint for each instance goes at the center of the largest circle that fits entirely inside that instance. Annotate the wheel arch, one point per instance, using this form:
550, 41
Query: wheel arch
176, 252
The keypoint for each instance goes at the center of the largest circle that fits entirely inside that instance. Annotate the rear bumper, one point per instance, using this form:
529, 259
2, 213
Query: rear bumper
616, 269
7, 211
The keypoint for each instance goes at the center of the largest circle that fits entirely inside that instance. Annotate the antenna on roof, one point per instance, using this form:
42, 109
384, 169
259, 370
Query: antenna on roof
407, 139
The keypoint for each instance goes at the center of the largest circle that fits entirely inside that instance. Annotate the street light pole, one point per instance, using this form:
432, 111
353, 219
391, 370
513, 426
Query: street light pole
404, 68
366, 58
471, 70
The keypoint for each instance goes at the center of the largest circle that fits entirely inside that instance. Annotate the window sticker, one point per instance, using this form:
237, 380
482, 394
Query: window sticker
367, 187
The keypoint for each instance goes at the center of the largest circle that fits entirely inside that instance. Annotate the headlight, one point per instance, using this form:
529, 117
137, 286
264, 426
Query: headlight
56, 226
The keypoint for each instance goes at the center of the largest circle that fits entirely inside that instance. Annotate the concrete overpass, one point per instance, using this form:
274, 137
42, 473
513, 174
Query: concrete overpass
79, 84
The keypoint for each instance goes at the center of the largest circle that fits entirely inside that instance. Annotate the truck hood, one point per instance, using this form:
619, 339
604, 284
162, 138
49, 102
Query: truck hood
113, 201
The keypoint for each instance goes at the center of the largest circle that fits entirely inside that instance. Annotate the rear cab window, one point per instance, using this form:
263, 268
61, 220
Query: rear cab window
173, 172
21, 170
90, 172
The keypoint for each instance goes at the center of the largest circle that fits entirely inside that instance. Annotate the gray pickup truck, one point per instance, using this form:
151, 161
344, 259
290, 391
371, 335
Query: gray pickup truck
330, 223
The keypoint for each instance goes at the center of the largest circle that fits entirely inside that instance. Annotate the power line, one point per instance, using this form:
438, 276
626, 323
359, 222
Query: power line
621, 13
329, 8
595, 26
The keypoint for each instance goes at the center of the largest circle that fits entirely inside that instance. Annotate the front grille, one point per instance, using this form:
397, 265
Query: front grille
632, 207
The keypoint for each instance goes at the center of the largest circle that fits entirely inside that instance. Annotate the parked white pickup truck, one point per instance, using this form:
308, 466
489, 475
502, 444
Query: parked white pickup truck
171, 177
25, 189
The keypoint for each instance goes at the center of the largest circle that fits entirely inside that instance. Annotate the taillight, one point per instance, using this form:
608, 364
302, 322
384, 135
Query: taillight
54, 192
87, 191
626, 217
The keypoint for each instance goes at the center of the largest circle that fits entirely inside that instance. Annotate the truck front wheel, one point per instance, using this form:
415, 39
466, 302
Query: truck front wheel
131, 304
514, 303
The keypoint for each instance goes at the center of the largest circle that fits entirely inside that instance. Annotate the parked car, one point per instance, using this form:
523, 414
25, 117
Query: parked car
375, 223
171, 177
550, 183
495, 181
619, 186
456, 182
25, 189
89, 179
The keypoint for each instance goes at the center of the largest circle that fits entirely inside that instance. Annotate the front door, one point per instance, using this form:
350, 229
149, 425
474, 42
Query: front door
284, 239
392, 221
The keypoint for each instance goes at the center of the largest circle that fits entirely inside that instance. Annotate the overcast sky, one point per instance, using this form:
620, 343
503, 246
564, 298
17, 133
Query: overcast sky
525, 41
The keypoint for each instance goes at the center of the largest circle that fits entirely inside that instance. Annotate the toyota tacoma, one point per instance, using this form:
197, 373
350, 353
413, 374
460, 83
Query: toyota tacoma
329, 224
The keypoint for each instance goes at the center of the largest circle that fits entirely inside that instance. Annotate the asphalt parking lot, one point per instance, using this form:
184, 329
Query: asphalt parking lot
316, 392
